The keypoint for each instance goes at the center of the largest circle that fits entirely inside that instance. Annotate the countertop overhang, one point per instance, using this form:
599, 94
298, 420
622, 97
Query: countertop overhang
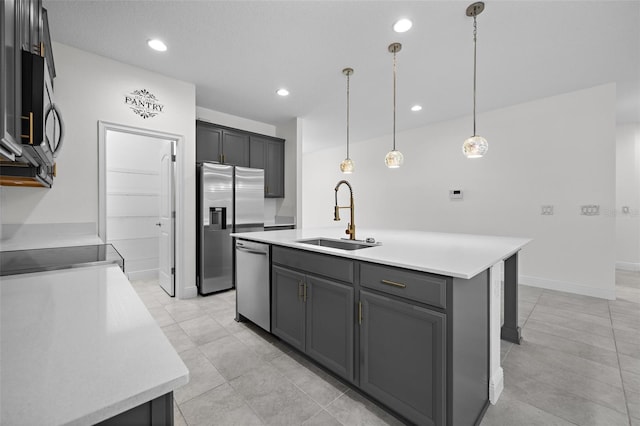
450, 254
78, 346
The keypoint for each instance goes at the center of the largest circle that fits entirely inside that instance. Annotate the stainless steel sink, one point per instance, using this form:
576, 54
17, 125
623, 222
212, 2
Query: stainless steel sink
339, 244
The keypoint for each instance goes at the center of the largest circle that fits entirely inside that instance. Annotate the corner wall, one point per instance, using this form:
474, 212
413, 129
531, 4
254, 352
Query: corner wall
556, 151
91, 88
628, 195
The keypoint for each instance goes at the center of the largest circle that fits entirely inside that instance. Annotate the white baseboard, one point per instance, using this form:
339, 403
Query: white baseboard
147, 274
189, 292
628, 266
568, 287
496, 385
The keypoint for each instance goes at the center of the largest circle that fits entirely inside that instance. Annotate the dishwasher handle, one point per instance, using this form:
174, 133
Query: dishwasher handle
261, 249
251, 251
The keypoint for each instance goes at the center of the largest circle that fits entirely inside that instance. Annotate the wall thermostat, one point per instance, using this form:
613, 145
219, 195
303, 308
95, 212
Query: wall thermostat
455, 194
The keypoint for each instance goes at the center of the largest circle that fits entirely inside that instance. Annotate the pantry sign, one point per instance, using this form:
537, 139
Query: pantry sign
144, 103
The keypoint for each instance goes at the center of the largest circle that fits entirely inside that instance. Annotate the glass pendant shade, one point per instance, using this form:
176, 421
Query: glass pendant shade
394, 159
346, 166
475, 147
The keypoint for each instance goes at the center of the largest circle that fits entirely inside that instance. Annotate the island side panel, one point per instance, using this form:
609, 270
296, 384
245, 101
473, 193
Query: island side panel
510, 330
469, 355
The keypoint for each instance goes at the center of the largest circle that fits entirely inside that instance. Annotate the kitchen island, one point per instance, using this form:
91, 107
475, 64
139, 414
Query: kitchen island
413, 321
78, 346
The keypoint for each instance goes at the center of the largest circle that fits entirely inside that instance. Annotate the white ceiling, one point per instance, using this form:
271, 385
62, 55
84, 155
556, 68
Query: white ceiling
238, 53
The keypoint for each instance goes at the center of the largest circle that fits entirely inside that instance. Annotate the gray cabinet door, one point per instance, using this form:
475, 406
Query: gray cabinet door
256, 153
274, 170
402, 352
235, 148
330, 322
208, 143
287, 306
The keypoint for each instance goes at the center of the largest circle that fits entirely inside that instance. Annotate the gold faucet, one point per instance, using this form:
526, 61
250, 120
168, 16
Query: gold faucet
351, 227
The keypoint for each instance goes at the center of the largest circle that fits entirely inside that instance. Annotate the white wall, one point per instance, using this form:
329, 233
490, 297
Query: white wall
90, 88
223, 119
628, 194
555, 151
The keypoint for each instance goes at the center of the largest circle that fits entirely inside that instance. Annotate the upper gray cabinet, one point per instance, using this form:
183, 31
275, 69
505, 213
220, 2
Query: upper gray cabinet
241, 148
268, 154
222, 145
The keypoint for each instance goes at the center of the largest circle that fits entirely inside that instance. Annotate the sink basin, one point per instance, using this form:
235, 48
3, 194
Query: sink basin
339, 244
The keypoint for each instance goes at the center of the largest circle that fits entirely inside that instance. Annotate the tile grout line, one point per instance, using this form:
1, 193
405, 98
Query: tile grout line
624, 388
322, 408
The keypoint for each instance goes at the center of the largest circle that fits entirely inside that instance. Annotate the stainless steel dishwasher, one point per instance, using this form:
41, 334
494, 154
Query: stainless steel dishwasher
252, 282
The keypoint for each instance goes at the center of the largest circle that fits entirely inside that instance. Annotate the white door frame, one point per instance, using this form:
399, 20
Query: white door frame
179, 228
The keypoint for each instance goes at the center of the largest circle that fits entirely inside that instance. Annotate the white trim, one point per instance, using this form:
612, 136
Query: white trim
148, 274
628, 266
568, 287
184, 289
496, 375
496, 385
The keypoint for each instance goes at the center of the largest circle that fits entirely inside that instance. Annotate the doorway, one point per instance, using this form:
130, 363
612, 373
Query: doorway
137, 201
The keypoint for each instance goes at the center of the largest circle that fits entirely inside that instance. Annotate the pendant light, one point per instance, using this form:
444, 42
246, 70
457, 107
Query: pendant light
475, 146
394, 158
346, 166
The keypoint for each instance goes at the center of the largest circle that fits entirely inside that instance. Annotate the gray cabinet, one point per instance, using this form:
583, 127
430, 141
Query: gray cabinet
313, 314
268, 154
329, 317
287, 306
235, 148
221, 145
402, 352
10, 78
208, 142
416, 342
240, 148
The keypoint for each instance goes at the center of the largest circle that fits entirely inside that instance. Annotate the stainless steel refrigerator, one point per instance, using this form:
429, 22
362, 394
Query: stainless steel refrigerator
229, 199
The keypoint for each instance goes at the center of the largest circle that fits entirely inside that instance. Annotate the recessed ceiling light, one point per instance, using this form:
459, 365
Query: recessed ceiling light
158, 45
402, 25
416, 108
282, 92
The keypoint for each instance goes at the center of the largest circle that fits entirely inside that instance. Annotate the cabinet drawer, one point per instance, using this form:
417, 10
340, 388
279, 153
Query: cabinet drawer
418, 286
319, 264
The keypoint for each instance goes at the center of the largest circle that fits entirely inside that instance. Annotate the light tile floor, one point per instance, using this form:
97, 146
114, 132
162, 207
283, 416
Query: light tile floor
579, 364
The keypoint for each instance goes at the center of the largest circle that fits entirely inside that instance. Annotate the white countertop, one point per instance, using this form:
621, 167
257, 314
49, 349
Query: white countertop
79, 346
456, 255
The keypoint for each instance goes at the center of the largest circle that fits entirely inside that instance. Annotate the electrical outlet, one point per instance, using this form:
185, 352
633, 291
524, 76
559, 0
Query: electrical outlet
455, 194
590, 210
547, 210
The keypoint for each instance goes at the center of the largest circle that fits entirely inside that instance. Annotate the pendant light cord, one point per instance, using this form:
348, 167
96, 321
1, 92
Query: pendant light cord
394, 100
348, 75
475, 38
